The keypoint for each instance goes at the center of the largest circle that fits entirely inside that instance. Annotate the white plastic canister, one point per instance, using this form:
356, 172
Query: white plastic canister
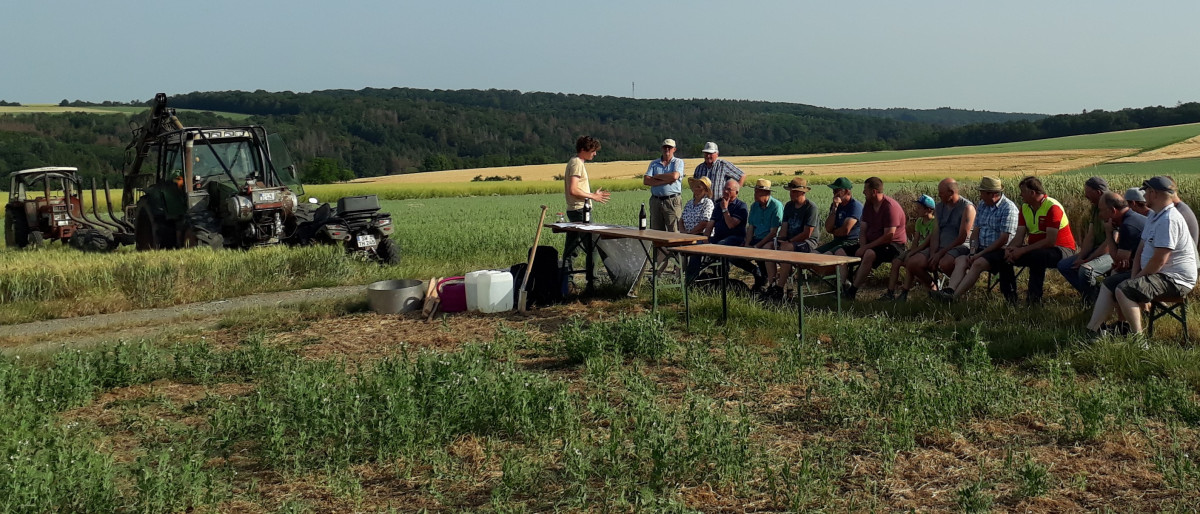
496, 292
472, 281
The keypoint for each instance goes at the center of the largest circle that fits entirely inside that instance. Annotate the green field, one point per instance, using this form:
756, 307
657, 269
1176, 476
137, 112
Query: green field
1171, 167
1143, 139
588, 406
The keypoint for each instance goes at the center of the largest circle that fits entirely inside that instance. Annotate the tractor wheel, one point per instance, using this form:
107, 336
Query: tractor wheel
199, 237
154, 234
92, 240
16, 232
388, 252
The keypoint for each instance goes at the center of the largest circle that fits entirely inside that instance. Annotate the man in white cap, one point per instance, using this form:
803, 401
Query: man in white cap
1137, 201
664, 178
717, 170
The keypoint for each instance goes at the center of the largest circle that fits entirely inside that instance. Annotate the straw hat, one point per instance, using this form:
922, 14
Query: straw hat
704, 181
762, 185
990, 185
800, 183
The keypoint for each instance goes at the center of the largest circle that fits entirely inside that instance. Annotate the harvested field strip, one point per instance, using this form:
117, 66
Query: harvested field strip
1142, 139
1189, 148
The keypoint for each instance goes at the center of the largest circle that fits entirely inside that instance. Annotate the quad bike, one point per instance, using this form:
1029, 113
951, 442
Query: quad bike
356, 223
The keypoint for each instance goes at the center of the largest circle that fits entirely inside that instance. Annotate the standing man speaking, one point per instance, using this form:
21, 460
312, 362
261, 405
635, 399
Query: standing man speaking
664, 178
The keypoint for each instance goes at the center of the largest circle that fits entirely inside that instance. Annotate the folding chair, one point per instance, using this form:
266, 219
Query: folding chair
994, 278
1174, 307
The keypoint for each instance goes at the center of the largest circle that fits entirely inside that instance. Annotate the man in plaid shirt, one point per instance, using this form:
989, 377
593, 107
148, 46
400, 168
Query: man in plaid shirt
995, 224
717, 170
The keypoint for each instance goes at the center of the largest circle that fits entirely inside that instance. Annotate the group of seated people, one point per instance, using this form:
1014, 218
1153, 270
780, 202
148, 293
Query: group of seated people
1137, 247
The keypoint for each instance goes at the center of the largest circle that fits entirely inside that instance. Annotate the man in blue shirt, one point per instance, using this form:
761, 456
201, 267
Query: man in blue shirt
729, 226
663, 177
844, 215
766, 215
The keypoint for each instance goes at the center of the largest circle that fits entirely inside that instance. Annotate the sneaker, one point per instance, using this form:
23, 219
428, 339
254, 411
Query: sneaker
849, 293
888, 295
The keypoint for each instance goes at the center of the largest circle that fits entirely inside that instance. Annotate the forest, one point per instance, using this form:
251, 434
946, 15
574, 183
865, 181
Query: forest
372, 132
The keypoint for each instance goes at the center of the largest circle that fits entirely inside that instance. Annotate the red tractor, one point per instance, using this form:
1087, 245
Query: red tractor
42, 207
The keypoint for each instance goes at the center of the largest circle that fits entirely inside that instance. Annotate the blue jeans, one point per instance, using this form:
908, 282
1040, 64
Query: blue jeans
1084, 279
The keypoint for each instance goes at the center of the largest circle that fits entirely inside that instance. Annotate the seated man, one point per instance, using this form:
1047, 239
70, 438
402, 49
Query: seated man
1137, 201
844, 213
1164, 267
922, 230
1044, 220
883, 234
994, 226
1123, 229
800, 232
729, 226
1093, 260
766, 214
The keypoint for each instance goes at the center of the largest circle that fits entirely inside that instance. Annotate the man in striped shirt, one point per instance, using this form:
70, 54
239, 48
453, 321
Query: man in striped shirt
717, 170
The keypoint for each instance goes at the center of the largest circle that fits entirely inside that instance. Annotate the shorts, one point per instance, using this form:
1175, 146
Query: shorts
884, 253
832, 246
803, 246
1115, 280
994, 258
1152, 287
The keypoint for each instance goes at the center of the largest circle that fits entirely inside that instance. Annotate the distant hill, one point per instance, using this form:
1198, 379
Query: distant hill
944, 116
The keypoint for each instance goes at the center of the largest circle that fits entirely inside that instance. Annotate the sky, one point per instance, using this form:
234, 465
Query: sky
1044, 56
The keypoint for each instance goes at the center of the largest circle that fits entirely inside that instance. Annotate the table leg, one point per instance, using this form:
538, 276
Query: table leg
590, 260
724, 289
687, 308
800, 315
654, 279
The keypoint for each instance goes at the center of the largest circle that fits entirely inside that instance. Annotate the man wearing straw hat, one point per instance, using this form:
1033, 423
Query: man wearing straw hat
663, 177
800, 230
995, 224
762, 227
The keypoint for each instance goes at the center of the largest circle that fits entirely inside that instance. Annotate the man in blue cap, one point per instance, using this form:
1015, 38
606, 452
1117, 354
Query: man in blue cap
844, 215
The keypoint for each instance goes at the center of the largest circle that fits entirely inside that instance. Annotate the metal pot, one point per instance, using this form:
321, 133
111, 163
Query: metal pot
396, 296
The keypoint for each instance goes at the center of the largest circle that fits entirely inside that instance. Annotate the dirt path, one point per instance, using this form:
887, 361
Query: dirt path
30, 337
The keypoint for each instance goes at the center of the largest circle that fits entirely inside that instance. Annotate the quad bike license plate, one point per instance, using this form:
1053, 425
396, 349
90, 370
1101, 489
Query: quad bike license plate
366, 241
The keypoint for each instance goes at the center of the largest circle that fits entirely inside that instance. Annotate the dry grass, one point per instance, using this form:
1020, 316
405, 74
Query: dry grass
1181, 150
49, 109
915, 170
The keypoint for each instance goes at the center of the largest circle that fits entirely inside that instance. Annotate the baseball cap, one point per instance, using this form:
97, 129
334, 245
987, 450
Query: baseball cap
1159, 183
1134, 194
1097, 183
841, 183
669, 142
710, 147
925, 200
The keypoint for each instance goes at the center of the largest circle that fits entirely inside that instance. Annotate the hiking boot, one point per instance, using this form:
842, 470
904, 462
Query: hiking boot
888, 295
773, 293
903, 296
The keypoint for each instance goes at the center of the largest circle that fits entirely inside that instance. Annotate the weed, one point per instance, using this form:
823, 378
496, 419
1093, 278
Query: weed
974, 496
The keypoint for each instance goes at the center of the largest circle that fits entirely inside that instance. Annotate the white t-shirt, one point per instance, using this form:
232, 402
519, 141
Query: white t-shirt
1168, 229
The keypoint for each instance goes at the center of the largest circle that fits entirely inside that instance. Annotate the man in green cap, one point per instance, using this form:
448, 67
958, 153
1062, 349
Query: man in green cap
844, 214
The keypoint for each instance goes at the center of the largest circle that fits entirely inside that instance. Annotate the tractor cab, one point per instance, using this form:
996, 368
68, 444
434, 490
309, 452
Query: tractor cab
43, 206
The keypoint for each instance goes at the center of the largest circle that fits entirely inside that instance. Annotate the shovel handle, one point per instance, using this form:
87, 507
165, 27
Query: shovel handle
523, 296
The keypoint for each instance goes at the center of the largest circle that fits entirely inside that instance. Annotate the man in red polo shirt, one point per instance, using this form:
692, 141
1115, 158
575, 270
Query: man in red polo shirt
883, 233
1045, 223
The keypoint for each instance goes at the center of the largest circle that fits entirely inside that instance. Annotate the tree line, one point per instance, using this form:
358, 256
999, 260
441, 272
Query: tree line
373, 132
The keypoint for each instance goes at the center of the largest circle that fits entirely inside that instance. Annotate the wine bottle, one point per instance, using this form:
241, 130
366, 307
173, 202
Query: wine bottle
642, 218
